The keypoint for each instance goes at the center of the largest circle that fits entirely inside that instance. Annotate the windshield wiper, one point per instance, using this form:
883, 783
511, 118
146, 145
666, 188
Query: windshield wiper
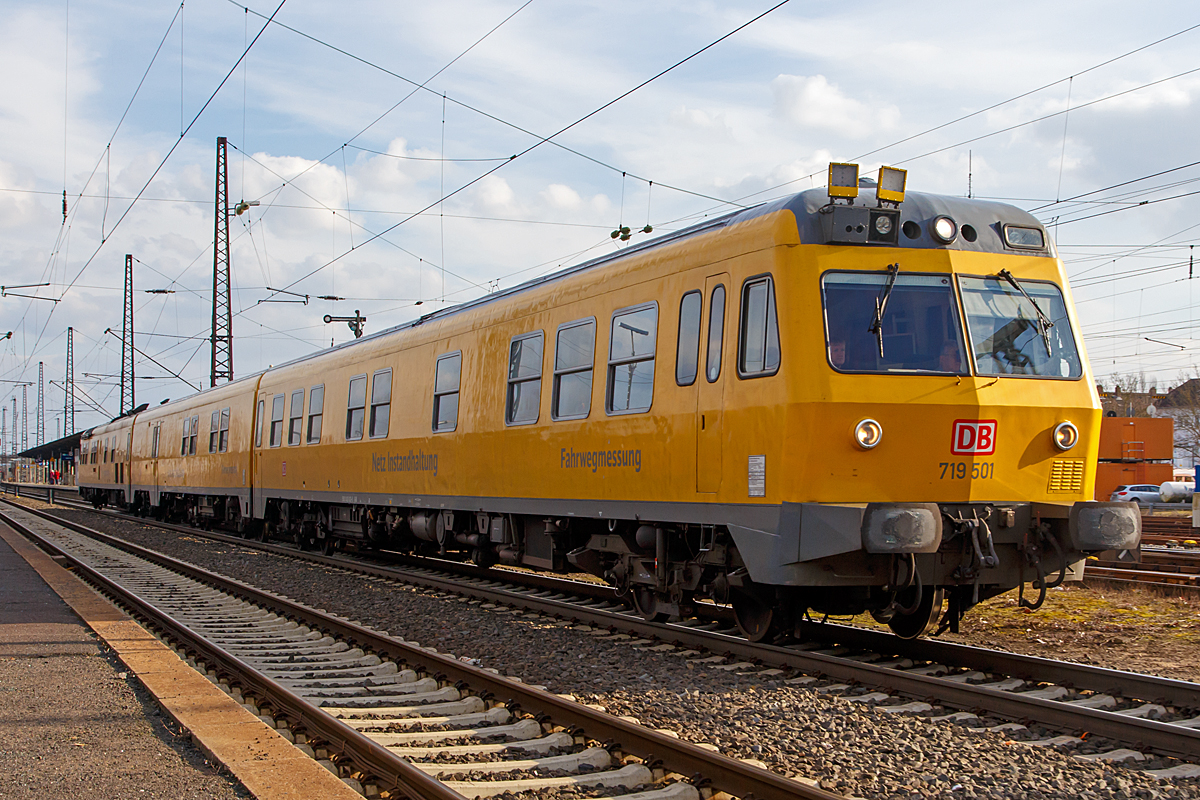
881, 305
1044, 323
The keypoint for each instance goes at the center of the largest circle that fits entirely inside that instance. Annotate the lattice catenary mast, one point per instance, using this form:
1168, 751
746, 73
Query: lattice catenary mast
69, 400
222, 312
127, 340
41, 406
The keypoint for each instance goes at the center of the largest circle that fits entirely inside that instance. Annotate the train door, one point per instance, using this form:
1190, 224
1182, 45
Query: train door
152, 478
126, 464
711, 380
258, 505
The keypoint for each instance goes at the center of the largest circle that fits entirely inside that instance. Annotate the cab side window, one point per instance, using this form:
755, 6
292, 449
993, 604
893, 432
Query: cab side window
758, 335
687, 347
631, 359
446, 382
524, 395
716, 333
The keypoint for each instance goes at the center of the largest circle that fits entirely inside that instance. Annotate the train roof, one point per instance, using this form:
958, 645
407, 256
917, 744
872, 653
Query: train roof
986, 216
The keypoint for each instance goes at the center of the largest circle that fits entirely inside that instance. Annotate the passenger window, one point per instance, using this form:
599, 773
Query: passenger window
381, 402
574, 357
716, 333
758, 342
187, 429
631, 360
356, 405
195, 434
316, 405
223, 442
295, 417
524, 396
259, 427
214, 431
277, 420
446, 381
687, 349
154, 441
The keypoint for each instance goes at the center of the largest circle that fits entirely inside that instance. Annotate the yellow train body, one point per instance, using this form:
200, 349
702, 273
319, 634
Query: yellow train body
749, 465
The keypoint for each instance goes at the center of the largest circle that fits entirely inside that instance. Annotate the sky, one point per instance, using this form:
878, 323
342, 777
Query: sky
379, 144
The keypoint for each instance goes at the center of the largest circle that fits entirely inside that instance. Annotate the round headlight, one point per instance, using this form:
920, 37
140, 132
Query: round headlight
1065, 435
883, 224
868, 433
944, 229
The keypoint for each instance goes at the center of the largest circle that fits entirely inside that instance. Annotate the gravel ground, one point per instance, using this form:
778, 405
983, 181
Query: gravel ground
848, 748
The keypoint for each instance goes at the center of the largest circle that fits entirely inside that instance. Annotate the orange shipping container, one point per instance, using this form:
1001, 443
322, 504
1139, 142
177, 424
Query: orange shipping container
1111, 475
1137, 439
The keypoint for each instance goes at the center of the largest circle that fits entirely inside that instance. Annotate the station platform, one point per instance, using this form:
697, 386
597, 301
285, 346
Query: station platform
92, 705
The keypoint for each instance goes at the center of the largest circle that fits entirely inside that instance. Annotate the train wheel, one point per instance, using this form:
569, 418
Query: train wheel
921, 621
646, 604
757, 617
328, 544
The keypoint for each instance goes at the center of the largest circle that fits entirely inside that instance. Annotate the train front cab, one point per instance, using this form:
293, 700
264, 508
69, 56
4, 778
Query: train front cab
942, 441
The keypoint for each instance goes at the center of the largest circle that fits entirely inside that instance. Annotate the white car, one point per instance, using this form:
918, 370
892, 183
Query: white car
1142, 494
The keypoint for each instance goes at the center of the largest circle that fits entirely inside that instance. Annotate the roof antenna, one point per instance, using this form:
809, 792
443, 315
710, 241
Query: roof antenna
969, 171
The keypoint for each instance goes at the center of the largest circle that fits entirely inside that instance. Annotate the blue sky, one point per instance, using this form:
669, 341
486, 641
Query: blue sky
754, 117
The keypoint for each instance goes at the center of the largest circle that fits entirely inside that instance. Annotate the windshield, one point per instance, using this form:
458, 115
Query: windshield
1005, 336
919, 330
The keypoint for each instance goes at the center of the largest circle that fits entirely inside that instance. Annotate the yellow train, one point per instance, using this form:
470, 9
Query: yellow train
852, 399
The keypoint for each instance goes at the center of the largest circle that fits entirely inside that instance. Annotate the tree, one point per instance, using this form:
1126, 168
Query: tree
1183, 405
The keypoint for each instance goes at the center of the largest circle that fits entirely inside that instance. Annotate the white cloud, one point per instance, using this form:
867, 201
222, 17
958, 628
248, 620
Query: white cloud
813, 102
700, 120
493, 194
559, 195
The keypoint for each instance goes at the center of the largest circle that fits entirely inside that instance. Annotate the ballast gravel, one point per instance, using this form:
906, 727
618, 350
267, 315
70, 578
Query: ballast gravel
846, 747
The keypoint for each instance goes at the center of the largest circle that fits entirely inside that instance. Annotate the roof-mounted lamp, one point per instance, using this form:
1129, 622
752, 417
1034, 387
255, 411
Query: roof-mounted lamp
846, 223
843, 181
891, 185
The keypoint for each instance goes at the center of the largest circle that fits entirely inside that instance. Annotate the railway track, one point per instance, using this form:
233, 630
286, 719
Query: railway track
389, 717
1120, 714
1169, 558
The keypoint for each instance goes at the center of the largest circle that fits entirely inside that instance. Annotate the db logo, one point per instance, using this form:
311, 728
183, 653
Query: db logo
974, 437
